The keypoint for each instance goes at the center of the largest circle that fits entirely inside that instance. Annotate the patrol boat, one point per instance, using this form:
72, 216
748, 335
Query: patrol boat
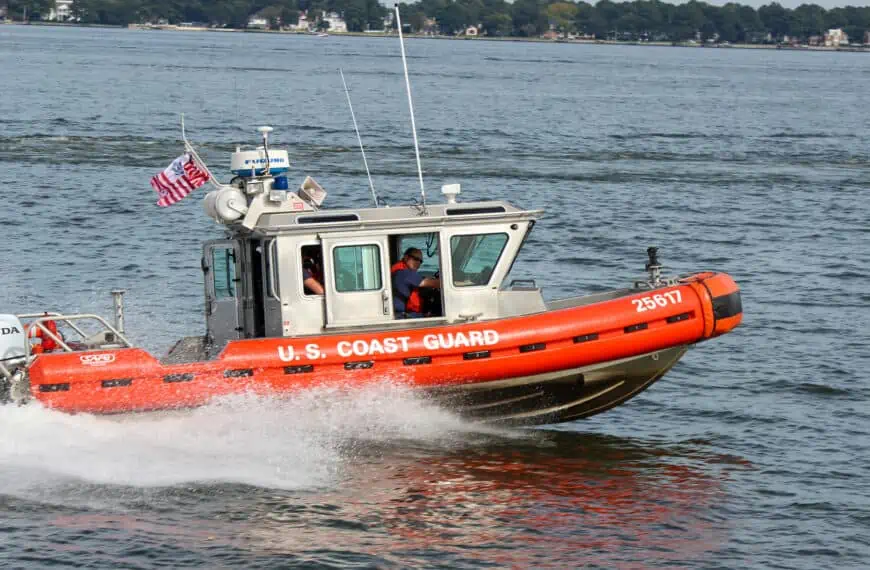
489, 348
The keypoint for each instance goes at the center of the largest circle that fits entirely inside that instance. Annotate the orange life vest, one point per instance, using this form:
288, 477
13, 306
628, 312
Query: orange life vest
413, 304
48, 343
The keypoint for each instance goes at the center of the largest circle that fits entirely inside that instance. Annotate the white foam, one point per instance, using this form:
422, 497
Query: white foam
298, 443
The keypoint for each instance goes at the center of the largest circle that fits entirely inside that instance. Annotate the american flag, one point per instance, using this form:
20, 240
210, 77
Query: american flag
179, 179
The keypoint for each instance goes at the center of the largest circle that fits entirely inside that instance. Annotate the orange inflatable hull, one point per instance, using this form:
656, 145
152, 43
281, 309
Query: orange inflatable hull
123, 380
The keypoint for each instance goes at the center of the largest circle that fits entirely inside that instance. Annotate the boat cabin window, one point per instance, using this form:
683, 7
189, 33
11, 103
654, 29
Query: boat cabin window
312, 268
357, 268
470, 211
224, 271
475, 257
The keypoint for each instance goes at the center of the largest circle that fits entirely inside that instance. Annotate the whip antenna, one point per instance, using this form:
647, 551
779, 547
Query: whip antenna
359, 138
411, 107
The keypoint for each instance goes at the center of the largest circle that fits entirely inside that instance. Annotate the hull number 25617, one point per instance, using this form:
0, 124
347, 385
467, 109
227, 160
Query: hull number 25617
657, 300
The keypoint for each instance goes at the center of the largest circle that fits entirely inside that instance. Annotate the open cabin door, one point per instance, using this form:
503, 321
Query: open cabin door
357, 275
223, 308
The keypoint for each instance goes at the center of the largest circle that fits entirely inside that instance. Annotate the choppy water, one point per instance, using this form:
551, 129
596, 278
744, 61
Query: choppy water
754, 451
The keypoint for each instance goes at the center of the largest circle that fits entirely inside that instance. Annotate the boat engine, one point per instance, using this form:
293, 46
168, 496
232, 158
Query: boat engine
13, 360
12, 341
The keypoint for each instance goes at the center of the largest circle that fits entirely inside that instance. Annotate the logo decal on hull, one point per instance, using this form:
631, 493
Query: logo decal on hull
97, 359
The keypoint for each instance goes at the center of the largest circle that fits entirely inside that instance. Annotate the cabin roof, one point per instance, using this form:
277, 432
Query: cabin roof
275, 221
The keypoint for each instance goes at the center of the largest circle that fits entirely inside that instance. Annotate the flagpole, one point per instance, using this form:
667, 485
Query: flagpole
189, 148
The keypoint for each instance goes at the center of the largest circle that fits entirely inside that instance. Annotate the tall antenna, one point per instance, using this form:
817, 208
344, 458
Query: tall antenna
359, 138
411, 107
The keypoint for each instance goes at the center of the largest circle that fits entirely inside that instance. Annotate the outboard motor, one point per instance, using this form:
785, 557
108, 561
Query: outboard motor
13, 358
12, 341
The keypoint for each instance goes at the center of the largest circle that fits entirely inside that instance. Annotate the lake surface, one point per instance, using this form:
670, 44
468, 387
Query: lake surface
754, 451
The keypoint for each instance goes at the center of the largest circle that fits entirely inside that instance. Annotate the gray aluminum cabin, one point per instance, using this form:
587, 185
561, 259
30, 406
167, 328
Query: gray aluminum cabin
254, 281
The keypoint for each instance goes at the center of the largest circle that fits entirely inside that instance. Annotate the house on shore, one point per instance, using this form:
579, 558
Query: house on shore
308, 21
335, 21
302, 24
61, 11
258, 23
836, 38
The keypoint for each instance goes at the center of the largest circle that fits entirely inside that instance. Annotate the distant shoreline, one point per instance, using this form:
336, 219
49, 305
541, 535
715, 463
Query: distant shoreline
684, 44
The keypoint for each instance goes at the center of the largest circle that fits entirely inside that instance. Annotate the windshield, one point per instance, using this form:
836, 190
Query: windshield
475, 257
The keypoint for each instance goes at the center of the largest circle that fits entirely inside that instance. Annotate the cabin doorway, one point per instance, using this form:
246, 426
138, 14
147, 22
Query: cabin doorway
221, 268
430, 253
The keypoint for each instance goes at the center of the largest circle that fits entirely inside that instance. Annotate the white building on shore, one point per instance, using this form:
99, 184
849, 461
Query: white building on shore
62, 11
257, 23
336, 22
836, 38
301, 25
308, 22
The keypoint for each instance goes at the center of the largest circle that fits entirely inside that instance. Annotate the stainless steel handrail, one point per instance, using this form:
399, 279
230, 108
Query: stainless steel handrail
50, 314
273, 268
66, 319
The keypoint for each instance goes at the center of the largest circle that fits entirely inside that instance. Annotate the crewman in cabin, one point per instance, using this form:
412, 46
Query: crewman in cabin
407, 282
312, 272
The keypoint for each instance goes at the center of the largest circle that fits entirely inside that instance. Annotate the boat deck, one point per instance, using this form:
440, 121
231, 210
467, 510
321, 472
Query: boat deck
189, 349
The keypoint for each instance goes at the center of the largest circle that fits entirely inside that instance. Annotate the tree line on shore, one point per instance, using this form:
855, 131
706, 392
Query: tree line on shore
640, 20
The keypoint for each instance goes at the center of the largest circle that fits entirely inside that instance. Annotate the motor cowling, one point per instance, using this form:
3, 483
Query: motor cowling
12, 339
